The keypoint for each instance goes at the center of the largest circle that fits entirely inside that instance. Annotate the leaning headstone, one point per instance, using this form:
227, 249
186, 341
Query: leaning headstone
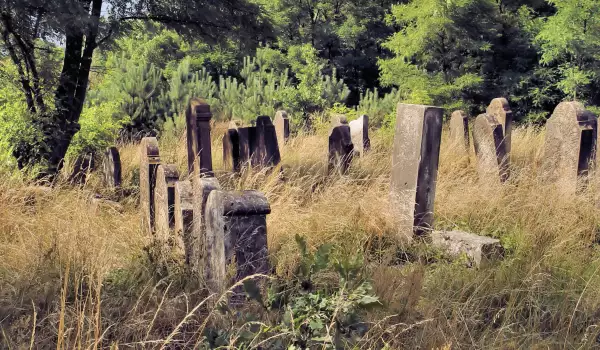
570, 145
84, 165
198, 118
459, 131
236, 231
341, 149
266, 150
359, 129
282, 128
111, 165
164, 200
195, 245
415, 165
184, 217
500, 109
149, 161
490, 147
479, 250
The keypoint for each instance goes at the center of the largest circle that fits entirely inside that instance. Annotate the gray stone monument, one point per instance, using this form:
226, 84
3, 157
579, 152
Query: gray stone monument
359, 129
570, 145
266, 150
341, 149
164, 200
282, 128
184, 218
459, 131
198, 118
415, 165
149, 161
236, 231
111, 165
500, 109
201, 187
490, 147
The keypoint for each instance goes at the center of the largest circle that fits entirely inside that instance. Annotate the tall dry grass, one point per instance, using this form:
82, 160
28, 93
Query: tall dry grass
74, 274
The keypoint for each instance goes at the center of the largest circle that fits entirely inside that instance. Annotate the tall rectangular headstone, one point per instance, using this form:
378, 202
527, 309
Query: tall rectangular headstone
459, 131
149, 161
266, 151
490, 147
236, 230
570, 145
415, 165
198, 118
247, 144
500, 109
282, 128
359, 129
231, 150
341, 149
184, 217
164, 200
111, 165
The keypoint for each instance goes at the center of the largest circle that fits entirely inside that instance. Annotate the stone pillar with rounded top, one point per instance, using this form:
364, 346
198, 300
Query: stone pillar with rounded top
266, 150
149, 161
282, 128
490, 147
111, 166
459, 132
198, 117
415, 161
164, 201
359, 129
500, 109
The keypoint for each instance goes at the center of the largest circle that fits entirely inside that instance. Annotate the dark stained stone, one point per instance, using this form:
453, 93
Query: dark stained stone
341, 149
266, 149
111, 165
149, 161
198, 118
500, 109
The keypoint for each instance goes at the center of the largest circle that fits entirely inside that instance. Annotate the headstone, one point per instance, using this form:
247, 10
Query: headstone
500, 109
149, 161
359, 129
231, 150
266, 151
415, 165
459, 131
236, 231
341, 149
112, 167
164, 200
570, 145
198, 118
184, 217
246, 144
490, 147
195, 246
84, 165
282, 128
479, 250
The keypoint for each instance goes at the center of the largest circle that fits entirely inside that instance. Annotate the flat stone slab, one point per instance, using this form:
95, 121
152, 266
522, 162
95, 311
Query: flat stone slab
478, 249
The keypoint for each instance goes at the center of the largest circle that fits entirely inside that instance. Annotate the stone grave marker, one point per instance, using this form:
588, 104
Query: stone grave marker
84, 165
459, 131
111, 165
341, 149
500, 109
231, 150
195, 246
149, 161
236, 230
479, 250
266, 151
570, 145
164, 200
198, 118
490, 147
184, 217
415, 165
282, 128
359, 129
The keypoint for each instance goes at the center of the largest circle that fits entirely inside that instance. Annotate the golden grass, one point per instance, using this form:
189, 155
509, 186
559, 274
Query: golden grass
74, 274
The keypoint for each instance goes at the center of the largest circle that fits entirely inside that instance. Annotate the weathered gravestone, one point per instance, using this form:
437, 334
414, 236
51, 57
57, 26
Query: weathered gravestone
111, 165
84, 165
570, 145
415, 165
238, 146
459, 131
149, 161
479, 250
490, 147
195, 245
236, 231
198, 118
500, 109
164, 200
266, 149
359, 129
184, 217
341, 149
282, 128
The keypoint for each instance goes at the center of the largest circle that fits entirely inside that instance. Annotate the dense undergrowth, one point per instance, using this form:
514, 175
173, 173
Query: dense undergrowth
74, 272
